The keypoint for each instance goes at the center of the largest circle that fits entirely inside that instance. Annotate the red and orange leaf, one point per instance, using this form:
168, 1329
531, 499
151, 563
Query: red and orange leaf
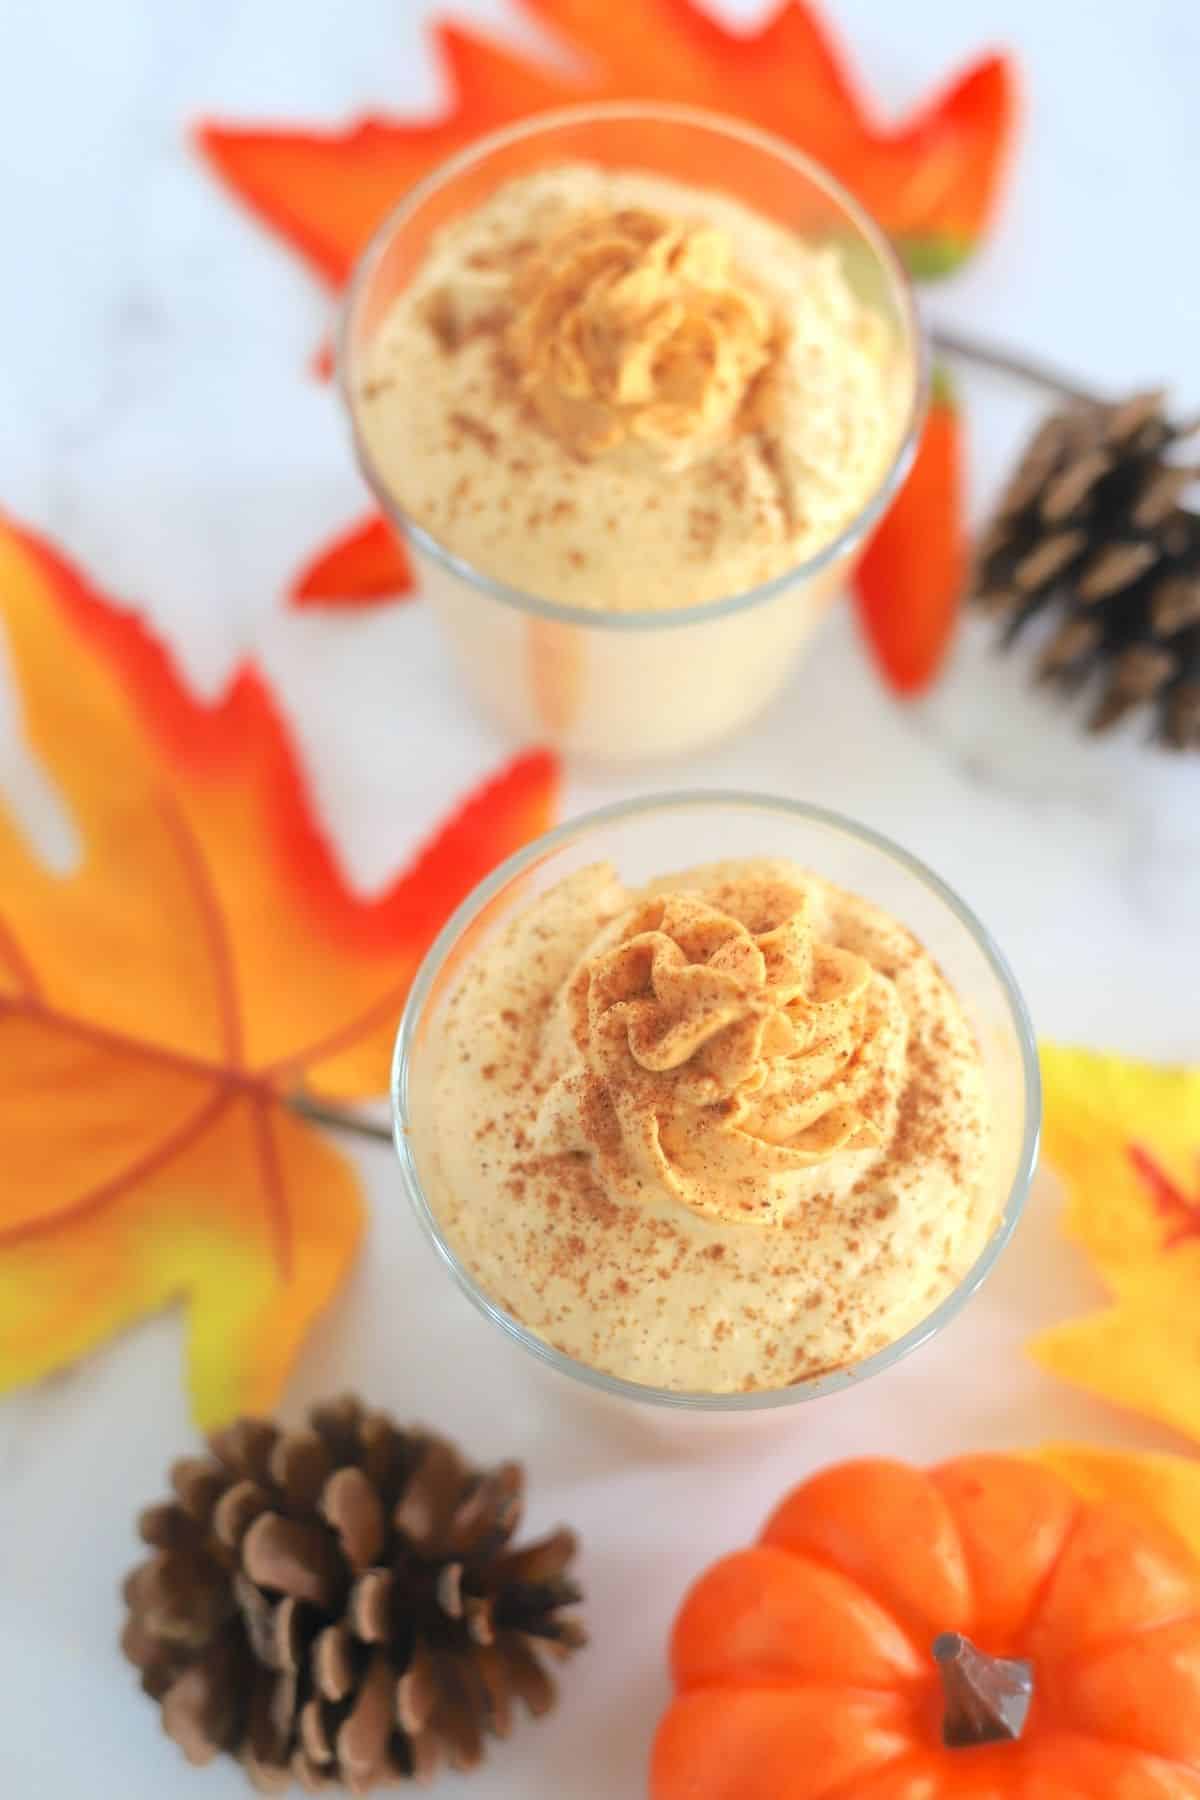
910, 582
201, 961
957, 152
792, 45
1125, 1138
364, 566
932, 181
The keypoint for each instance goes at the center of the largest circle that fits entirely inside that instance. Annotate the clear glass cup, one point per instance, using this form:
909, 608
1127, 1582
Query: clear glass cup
634, 686
646, 838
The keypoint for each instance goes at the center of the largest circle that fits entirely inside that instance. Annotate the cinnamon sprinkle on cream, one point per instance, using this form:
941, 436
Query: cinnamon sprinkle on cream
741, 1129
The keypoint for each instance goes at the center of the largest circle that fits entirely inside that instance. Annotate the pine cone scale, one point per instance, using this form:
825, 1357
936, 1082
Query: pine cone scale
1117, 567
236, 1511
371, 1606
353, 1509
416, 1693
203, 1707
457, 1711
527, 1678
198, 1487
333, 1662
1183, 717
489, 1514
1048, 560
365, 1733
434, 1488
258, 1619
245, 1448
1066, 493
492, 1671
1174, 605
1075, 640
1163, 491
315, 1742
301, 1465
168, 1527
541, 1561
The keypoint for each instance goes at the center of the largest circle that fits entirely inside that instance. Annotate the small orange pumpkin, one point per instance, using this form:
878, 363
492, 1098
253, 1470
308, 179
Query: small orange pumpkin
806, 1666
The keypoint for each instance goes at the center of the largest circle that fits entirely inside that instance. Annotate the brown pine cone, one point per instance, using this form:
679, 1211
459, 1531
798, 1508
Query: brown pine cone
1093, 532
342, 1605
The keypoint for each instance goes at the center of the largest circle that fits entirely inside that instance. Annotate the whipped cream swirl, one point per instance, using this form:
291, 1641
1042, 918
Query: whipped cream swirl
630, 325
719, 1048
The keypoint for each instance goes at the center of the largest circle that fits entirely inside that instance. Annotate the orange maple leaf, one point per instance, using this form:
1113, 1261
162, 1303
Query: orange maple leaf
932, 180
203, 961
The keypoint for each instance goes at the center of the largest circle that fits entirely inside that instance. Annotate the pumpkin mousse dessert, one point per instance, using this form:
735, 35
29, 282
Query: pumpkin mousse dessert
611, 409
725, 1132
615, 391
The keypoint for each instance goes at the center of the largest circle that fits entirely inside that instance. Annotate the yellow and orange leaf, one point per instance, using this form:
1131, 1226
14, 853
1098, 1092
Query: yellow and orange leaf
1145, 1482
932, 180
1125, 1138
203, 960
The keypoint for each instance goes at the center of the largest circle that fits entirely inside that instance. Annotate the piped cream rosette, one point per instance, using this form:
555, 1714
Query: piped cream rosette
631, 326
721, 1049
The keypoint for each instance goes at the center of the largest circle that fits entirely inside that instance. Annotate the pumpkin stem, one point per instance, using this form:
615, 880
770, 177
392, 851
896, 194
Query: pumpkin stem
987, 1697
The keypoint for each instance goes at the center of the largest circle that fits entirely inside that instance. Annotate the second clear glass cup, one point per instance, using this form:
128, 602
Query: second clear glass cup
643, 840
629, 685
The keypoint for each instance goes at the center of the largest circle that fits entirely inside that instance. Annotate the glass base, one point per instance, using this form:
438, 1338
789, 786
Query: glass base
616, 696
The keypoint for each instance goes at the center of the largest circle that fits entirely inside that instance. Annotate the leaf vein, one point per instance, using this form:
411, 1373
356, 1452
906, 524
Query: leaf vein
150, 1162
274, 1188
18, 963
198, 878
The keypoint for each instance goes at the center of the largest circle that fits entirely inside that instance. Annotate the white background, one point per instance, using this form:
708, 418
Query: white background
157, 418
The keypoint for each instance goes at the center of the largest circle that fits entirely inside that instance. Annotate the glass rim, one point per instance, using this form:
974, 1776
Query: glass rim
689, 1400
671, 617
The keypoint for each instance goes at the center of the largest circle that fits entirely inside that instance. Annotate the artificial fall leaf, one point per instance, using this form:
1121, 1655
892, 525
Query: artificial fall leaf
909, 584
1147, 1483
1125, 1138
202, 961
932, 181
364, 566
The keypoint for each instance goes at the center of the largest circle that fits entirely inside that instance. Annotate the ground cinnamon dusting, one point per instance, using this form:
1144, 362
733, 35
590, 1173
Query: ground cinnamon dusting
475, 428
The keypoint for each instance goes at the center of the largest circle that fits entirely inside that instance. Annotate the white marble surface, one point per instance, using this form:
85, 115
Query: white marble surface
158, 419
